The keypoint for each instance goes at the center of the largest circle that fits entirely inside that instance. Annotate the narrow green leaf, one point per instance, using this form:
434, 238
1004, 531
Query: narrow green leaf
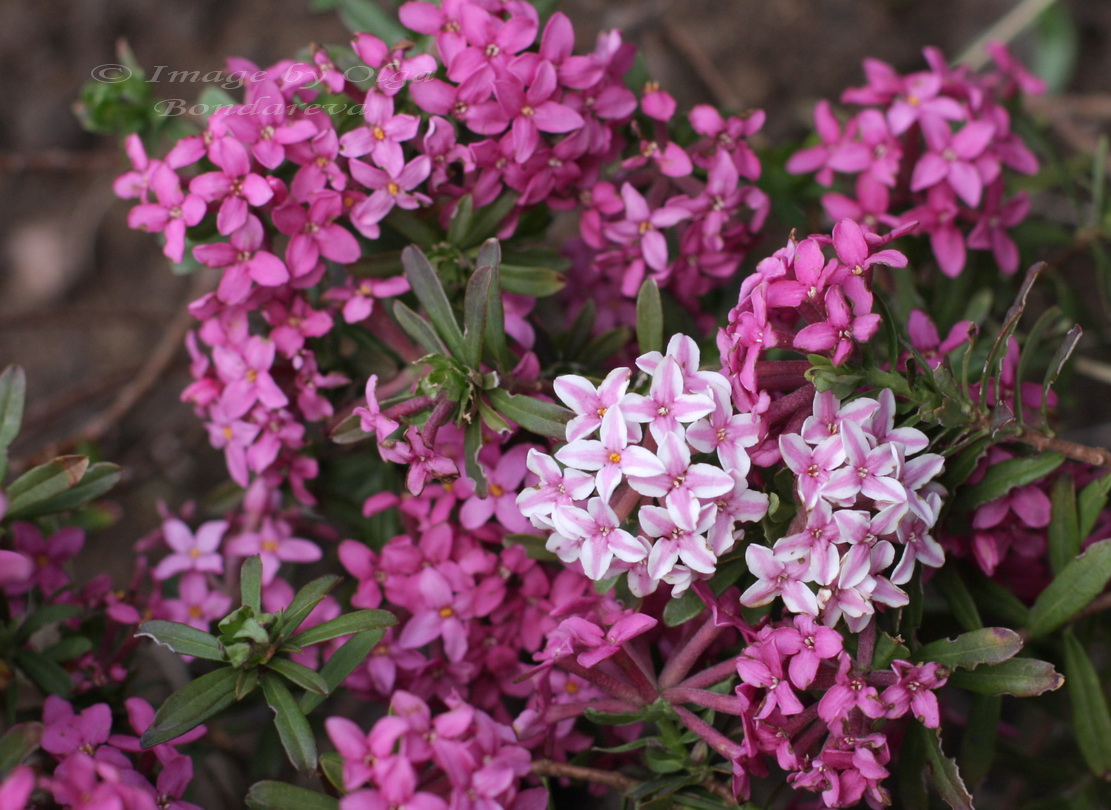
607, 344
943, 770
368, 16
18, 743
1090, 716
293, 727
1057, 363
345, 625
461, 220
13, 394
476, 307
1078, 584
535, 282
47, 675
67, 649
574, 340
542, 418
191, 705
682, 610
246, 682
910, 771
1021, 677
488, 219
98, 479
1090, 502
887, 650
472, 444
495, 314
250, 583
952, 587
1001, 478
269, 795
1064, 525
426, 285
980, 737
48, 614
993, 363
995, 600
988, 645
182, 639
963, 464
535, 547
42, 483
418, 329
349, 431
343, 662
331, 765
305, 601
299, 674
650, 318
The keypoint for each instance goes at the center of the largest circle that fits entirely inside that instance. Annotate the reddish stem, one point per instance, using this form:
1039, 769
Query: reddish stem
604, 681
718, 741
730, 704
637, 676
715, 674
558, 712
687, 655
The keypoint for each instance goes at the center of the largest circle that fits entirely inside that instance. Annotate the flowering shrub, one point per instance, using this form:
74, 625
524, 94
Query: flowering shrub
589, 532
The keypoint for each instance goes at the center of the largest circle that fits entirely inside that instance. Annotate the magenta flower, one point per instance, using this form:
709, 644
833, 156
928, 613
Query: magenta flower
197, 605
384, 133
527, 101
850, 691
503, 478
263, 123
605, 644
914, 691
246, 372
641, 229
16, 788
424, 462
235, 185
191, 553
171, 215
393, 185
314, 233
953, 158
275, 543
48, 555
841, 329
244, 260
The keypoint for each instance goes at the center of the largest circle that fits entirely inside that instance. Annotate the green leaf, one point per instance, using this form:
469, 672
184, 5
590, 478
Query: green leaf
1058, 46
988, 645
887, 650
269, 795
476, 308
979, 738
943, 770
293, 727
1090, 716
42, 483
343, 662
18, 743
299, 675
1090, 502
246, 683
345, 625
993, 364
1001, 478
608, 344
995, 600
48, 614
472, 445
350, 431
183, 639
490, 256
682, 610
1064, 528
539, 417
68, 648
952, 587
250, 583
650, 318
461, 219
1021, 677
535, 546
305, 602
488, 220
331, 765
1078, 584
426, 285
98, 479
418, 329
1057, 362
13, 394
535, 282
47, 675
191, 705
366, 15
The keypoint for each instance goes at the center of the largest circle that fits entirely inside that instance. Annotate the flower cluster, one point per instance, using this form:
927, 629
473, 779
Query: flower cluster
799, 284
861, 494
645, 448
837, 746
930, 148
400, 762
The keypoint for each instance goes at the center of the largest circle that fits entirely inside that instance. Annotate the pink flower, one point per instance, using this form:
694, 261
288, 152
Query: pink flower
244, 260
191, 553
597, 530
235, 185
171, 215
196, 605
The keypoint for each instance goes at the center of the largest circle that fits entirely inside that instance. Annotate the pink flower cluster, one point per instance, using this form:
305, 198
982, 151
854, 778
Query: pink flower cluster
832, 296
97, 770
645, 449
836, 746
930, 148
401, 761
860, 495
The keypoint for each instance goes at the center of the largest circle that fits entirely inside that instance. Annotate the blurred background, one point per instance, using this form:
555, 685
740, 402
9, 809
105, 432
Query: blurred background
92, 309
